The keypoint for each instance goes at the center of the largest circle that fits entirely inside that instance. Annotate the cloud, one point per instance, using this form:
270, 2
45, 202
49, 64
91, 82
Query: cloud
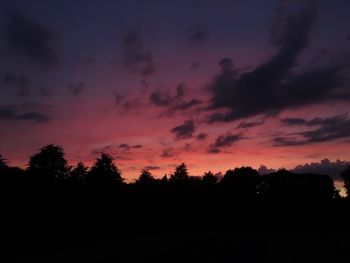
199, 37
275, 86
202, 136
185, 130
168, 153
19, 83
224, 141
162, 99
320, 55
187, 104
175, 102
118, 98
195, 65
125, 103
11, 113
264, 170
136, 58
122, 151
28, 38
77, 89
151, 168
328, 129
124, 146
245, 125
44, 92
13, 79
325, 166
227, 140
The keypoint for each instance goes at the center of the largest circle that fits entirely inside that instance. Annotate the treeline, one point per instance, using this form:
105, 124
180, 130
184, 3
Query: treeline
49, 189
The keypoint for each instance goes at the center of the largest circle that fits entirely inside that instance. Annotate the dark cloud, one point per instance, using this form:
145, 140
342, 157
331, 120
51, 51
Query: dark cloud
124, 146
294, 121
315, 121
323, 167
10, 113
125, 104
162, 99
19, 83
224, 141
199, 37
136, 58
131, 104
173, 103
320, 55
195, 65
44, 92
118, 98
246, 125
328, 129
28, 38
13, 79
202, 136
185, 130
168, 153
275, 85
264, 170
122, 151
77, 89
187, 104
213, 150
151, 167
227, 140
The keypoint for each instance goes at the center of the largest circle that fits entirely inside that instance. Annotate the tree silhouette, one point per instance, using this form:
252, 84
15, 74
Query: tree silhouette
49, 162
209, 178
346, 177
104, 172
145, 178
287, 185
180, 174
164, 180
242, 182
78, 173
3, 163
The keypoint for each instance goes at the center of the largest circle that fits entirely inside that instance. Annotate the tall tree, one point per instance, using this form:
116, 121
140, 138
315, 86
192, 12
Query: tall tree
242, 182
180, 174
3, 163
78, 173
209, 178
49, 162
145, 178
104, 171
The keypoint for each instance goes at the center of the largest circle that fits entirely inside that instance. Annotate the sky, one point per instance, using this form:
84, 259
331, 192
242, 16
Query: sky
213, 83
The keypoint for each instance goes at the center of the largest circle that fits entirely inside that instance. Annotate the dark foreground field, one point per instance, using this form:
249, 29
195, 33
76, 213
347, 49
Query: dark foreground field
52, 213
105, 243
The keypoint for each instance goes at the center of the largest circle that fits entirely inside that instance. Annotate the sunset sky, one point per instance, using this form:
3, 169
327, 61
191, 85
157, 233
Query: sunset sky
212, 83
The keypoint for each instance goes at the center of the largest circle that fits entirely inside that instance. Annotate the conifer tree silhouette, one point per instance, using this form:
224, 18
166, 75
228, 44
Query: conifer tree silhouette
49, 162
104, 172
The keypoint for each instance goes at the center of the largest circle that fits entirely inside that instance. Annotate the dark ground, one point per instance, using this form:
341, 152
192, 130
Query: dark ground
105, 242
